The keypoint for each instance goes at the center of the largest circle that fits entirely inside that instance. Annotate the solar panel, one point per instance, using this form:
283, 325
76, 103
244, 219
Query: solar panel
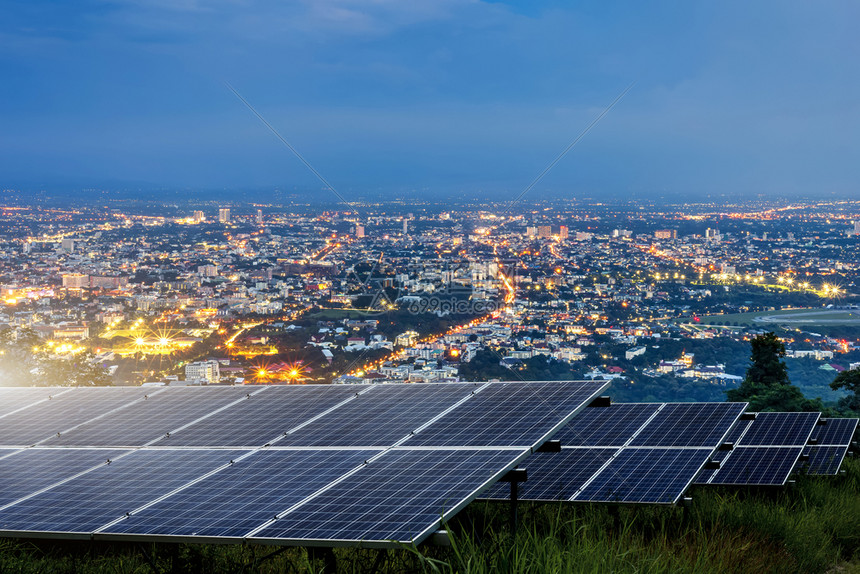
646, 475
555, 475
65, 410
29, 470
88, 501
263, 417
14, 398
382, 416
835, 432
606, 426
402, 496
690, 424
195, 492
143, 421
509, 414
780, 429
236, 500
757, 465
823, 459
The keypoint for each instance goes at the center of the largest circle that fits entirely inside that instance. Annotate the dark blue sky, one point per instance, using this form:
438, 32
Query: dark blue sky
735, 97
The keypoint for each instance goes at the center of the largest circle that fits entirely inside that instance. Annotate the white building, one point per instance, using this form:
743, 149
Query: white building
203, 371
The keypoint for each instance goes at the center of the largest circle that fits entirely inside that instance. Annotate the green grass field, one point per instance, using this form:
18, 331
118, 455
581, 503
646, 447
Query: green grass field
814, 527
786, 317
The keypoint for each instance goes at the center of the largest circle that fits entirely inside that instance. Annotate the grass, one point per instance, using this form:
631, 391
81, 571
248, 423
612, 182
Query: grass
808, 317
813, 527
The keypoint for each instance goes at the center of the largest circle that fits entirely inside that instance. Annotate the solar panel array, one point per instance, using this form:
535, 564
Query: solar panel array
303, 465
831, 442
628, 453
765, 450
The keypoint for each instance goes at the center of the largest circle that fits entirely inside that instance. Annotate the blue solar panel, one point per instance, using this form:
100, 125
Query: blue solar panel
402, 496
780, 429
555, 475
690, 424
758, 465
14, 398
236, 500
835, 432
91, 500
736, 432
509, 414
824, 459
381, 416
262, 417
646, 475
65, 410
606, 426
33, 469
144, 421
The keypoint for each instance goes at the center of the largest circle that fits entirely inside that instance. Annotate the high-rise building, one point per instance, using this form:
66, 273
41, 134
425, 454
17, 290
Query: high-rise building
76, 281
563, 233
259, 217
857, 228
531, 231
224, 215
359, 231
68, 244
198, 216
666, 234
544, 231
405, 226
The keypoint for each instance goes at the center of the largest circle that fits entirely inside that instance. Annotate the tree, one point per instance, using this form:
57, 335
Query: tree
848, 381
766, 386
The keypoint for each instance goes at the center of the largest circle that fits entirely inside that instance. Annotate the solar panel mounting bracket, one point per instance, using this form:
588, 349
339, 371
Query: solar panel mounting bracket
602, 401
550, 446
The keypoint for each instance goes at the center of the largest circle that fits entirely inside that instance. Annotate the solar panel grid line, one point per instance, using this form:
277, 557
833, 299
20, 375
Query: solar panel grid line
11, 452
180, 488
550, 432
29, 405
315, 418
780, 429
92, 500
692, 424
591, 479
603, 467
59, 483
477, 390
651, 475
66, 410
283, 407
644, 425
103, 415
824, 460
769, 465
837, 432
206, 416
388, 510
512, 402
34, 468
308, 498
476, 492
250, 492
